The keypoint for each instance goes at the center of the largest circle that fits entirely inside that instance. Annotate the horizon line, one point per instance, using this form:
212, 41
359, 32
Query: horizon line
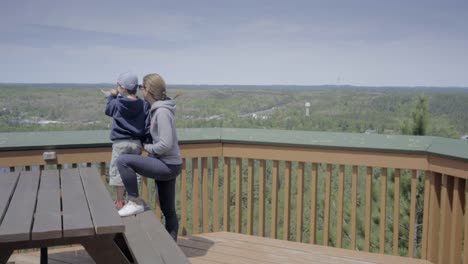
298, 85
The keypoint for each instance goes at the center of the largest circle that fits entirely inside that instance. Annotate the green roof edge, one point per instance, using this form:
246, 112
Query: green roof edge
330, 140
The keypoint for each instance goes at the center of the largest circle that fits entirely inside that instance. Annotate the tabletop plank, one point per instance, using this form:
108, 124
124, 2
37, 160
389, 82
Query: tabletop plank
76, 217
105, 217
16, 224
7, 186
48, 216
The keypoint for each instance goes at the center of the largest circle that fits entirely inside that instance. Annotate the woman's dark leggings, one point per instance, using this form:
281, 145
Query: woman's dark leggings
164, 176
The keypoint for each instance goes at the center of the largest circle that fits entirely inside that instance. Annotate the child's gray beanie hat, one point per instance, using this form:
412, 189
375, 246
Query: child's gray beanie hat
128, 80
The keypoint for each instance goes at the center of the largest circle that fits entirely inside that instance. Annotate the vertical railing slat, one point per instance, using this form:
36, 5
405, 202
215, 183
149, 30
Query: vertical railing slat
383, 209
368, 209
144, 188
354, 183
434, 218
250, 193
205, 200
446, 211
326, 214
157, 205
339, 213
299, 200
274, 199
238, 209
313, 205
426, 210
195, 197
396, 212
103, 171
412, 224
183, 198
287, 200
261, 198
227, 195
456, 221
215, 194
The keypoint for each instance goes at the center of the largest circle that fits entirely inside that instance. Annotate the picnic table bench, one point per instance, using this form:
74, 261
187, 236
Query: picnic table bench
41, 209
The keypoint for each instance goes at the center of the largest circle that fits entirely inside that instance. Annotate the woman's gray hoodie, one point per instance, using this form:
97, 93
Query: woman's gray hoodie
163, 130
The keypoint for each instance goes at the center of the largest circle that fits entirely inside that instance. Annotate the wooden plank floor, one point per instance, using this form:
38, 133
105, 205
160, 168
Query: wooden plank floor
223, 247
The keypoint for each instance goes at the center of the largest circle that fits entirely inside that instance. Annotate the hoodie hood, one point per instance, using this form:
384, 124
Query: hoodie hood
168, 104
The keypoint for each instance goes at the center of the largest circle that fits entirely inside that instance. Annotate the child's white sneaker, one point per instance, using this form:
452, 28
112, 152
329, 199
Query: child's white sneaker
131, 208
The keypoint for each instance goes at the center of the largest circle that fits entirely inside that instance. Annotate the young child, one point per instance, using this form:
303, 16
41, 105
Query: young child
130, 126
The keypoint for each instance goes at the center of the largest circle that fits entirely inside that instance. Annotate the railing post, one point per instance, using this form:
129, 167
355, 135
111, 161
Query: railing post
250, 193
238, 208
261, 198
367, 228
383, 209
412, 228
195, 197
287, 200
446, 211
227, 194
274, 199
326, 214
299, 201
426, 212
183, 198
205, 206
396, 212
354, 183
339, 213
313, 205
215, 194
434, 218
457, 221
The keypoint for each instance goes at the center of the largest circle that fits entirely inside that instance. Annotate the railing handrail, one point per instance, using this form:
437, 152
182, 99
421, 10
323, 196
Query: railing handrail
425, 145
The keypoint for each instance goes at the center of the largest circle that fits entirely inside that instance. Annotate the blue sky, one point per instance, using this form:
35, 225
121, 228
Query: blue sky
365, 42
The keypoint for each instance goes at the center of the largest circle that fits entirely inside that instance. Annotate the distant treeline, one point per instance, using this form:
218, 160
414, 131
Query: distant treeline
242, 87
36, 107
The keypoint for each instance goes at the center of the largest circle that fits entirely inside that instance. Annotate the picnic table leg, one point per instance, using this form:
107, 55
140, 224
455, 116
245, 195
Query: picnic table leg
44, 256
5, 255
104, 250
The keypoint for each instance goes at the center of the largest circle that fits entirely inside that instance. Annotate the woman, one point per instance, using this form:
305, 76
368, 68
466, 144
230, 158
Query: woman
163, 163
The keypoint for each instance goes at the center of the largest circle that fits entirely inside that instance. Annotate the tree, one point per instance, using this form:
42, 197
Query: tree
420, 117
418, 125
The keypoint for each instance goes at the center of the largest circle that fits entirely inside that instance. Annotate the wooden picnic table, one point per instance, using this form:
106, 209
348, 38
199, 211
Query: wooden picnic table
40, 209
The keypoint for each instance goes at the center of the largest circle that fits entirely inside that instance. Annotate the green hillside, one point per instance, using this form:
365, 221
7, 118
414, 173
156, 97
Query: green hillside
333, 108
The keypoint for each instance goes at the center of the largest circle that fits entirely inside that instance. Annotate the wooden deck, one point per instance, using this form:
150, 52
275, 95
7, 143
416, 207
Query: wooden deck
223, 247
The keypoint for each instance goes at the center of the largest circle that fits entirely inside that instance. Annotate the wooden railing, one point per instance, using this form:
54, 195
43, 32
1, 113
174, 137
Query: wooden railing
321, 188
